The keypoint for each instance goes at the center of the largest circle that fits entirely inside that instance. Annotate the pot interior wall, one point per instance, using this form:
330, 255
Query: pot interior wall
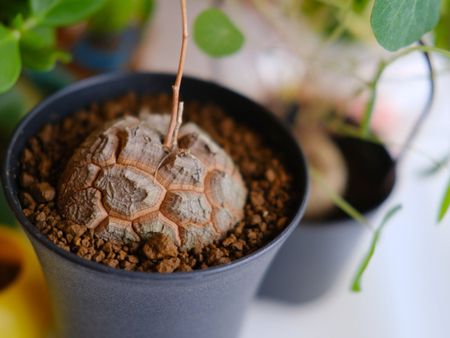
371, 172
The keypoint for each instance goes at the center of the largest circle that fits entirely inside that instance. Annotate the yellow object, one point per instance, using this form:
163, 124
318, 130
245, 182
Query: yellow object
24, 306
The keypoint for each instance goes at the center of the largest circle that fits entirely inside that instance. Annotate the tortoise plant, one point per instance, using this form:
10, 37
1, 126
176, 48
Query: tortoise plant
140, 177
124, 183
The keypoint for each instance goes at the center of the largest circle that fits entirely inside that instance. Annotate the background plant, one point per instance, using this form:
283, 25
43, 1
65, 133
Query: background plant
116, 15
28, 30
399, 27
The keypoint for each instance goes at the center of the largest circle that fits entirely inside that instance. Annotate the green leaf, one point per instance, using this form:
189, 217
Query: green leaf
39, 37
67, 12
10, 64
146, 10
356, 285
43, 59
399, 23
442, 30
17, 22
10, 9
445, 204
114, 16
360, 5
215, 34
39, 6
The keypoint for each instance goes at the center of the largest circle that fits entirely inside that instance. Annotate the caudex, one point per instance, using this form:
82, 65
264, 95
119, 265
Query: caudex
138, 177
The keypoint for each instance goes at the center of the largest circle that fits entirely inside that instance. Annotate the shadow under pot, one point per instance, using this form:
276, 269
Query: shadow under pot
313, 257
95, 300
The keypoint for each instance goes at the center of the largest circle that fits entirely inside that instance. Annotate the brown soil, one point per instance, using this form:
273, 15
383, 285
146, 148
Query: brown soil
8, 273
267, 211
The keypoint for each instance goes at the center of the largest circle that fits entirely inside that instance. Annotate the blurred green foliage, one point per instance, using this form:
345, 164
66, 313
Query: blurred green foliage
442, 31
115, 15
27, 33
395, 23
351, 18
445, 203
215, 34
398, 23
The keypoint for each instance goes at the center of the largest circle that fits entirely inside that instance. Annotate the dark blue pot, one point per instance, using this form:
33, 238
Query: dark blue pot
91, 54
93, 300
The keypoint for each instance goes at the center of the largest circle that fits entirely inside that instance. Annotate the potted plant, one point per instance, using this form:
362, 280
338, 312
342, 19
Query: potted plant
361, 175
341, 22
89, 227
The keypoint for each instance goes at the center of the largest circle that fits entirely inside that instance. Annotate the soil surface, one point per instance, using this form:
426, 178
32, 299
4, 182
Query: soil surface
268, 209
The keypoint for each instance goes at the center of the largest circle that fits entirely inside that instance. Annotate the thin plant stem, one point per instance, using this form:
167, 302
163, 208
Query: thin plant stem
373, 87
339, 201
445, 204
427, 108
356, 284
368, 112
179, 122
175, 117
267, 15
337, 32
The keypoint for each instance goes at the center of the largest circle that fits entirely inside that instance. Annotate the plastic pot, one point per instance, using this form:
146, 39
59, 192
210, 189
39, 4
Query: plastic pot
312, 258
93, 300
106, 52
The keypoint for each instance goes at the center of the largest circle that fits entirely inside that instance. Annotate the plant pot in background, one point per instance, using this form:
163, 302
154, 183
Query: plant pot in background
112, 36
93, 300
106, 53
314, 256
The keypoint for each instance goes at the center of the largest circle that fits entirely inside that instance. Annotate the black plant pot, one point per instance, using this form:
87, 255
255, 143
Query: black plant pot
312, 258
93, 300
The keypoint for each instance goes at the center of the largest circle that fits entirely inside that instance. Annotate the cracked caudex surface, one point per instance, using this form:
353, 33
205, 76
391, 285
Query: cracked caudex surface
122, 183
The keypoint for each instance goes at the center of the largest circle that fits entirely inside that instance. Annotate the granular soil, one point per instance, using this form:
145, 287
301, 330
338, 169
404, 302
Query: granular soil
268, 209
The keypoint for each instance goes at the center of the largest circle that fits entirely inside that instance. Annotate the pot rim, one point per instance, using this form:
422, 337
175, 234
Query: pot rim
14, 203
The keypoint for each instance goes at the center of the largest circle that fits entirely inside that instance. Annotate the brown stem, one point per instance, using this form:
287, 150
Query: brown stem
178, 123
176, 115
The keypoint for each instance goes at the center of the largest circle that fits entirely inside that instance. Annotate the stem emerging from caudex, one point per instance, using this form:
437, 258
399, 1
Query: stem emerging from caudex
176, 116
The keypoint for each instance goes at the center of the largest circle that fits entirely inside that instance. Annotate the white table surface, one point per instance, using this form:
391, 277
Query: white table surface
406, 290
